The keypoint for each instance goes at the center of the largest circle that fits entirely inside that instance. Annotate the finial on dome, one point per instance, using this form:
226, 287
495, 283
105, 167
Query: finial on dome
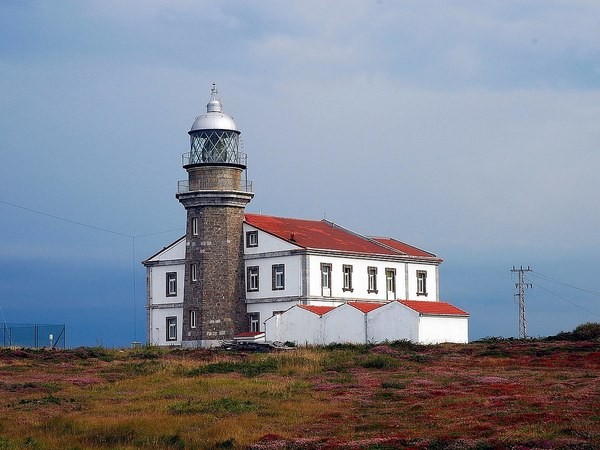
214, 105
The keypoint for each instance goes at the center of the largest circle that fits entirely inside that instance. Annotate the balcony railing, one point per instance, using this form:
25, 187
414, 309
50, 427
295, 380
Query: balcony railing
183, 186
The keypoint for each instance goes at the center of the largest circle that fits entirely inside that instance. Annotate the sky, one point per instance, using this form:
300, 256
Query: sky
467, 128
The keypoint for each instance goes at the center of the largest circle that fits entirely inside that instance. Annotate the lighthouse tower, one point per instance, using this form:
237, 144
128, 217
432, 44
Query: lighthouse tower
214, 196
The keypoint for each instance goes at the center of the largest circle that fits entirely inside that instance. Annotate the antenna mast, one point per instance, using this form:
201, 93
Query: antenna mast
520, 295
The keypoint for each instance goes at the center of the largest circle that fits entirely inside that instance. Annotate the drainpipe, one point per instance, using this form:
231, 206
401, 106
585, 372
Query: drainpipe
366, 334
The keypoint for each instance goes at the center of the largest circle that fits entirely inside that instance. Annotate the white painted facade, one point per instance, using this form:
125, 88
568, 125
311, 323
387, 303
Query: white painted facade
274, 305
163, 305
303, 283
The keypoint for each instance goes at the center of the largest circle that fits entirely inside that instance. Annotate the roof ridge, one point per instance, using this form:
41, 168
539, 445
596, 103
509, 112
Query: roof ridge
365, 237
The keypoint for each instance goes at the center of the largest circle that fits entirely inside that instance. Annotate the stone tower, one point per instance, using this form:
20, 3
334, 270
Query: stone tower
214, 196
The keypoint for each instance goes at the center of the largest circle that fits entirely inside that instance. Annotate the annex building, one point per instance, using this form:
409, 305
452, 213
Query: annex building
312, 282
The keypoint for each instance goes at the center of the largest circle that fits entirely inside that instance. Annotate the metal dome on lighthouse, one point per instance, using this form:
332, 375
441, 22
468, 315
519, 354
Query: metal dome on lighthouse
214, 137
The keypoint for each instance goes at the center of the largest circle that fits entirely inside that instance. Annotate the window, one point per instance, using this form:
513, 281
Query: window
193, 318
372, 279
252, 278
326, 280
421, 282
390, 283
171, 328
171, 284
278, 277
254, 322
194, 226
252, 239
347, 280
194, 271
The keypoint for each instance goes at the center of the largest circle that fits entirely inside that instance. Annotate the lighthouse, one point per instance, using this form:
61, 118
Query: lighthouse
214, 196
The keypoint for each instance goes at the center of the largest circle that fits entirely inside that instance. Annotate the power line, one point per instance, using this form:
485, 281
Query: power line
566, 284
565, 300
105, 230
64, 219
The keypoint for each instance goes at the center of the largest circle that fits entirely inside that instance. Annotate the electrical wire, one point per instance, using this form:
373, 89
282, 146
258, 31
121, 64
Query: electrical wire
105, 230
565, 300
566, 284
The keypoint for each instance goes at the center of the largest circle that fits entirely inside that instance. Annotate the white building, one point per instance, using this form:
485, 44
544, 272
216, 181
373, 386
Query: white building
314, 282
306, 281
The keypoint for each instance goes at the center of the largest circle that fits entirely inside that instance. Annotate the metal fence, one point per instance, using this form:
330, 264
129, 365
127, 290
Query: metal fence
32, 335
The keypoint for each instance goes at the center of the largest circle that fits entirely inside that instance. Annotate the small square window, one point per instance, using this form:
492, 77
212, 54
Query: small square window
252, 239
252, 278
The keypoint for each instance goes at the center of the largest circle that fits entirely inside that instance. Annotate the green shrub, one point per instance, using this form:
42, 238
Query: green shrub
589, 331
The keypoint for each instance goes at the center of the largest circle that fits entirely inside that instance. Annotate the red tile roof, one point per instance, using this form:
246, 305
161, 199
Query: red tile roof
322, 234
434, 308
319, 310
402, 247
365, 306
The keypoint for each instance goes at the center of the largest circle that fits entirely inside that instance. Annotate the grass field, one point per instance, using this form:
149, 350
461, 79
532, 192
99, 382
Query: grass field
495, 394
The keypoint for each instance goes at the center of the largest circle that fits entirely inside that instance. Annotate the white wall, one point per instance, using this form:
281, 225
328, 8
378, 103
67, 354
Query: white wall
344, 324
158, 284
360, 278
438, 329
392, 322
266, 310
432, 285
292, 277
296, 325
158, 325
266, 243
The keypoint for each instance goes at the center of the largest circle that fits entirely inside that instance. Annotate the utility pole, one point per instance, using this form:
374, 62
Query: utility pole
520, 295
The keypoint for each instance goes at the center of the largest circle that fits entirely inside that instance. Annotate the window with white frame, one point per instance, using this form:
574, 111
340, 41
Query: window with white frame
194, 272
390, 283
252, 239
347, 277
171, 284
254, 322
171, 328
278, 277
252, 278
326, 280
421, 282
194, 226
193, 318
372, 280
